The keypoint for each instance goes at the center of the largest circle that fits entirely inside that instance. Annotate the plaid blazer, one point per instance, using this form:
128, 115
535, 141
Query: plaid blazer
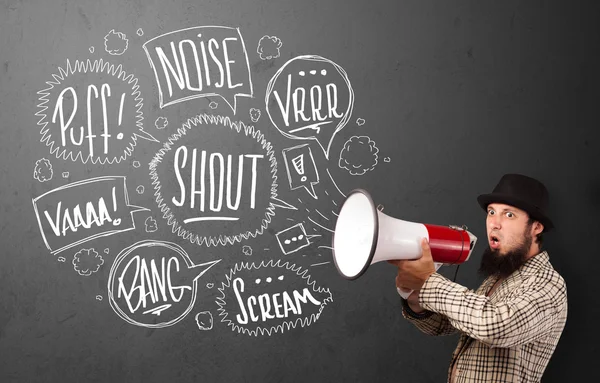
506, 337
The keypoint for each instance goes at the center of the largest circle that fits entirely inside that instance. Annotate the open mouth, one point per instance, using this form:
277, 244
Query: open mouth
494, 241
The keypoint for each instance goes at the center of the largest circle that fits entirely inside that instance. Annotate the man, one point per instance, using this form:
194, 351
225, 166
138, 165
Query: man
511, 324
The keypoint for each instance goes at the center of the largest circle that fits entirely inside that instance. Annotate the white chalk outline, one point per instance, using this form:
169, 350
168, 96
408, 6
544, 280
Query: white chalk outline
290, 228
211, 321
87, 272
342, 122
89, 66
178, 249
37, 166
191, 97
120, 35
334, 184
103, 234
358, 166
287, 168
259, 45
238, 127
303, 274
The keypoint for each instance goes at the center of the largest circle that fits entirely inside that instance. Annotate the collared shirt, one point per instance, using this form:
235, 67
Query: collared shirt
508, 336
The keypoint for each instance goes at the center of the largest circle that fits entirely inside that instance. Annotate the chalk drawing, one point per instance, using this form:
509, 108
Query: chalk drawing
386, 159
136, 164
272, 307
247, 250
359, 155
151, 225
115, 43
301, 168
140, 189
268, 47
200, 62
61, 259
154, 278
43, 170
65, 174
179, 207
254, 114
161, 123
87, 261
140, 32
68, 130
292, 239
360, 121
213, 105
99, 297
106, 211
204, 320
304, 103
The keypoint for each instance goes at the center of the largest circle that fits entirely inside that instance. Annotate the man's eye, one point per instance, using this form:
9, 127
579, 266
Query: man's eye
490, 212
509, 214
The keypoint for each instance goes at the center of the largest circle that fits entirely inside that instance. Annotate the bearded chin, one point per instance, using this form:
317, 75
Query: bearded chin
495, 264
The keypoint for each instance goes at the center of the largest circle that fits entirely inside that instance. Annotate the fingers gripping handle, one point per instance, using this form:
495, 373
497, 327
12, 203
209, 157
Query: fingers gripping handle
404, 293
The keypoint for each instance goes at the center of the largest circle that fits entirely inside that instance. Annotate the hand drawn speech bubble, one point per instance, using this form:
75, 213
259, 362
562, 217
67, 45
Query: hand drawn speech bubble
200, 62
310, 98
84, 210
92, 110
216, 193
264, 306
154, 283
301, 168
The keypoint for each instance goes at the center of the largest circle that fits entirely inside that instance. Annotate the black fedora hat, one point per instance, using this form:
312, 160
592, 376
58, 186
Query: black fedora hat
523, 192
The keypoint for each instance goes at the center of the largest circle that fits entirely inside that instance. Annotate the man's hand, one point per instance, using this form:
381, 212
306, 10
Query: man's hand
412, 274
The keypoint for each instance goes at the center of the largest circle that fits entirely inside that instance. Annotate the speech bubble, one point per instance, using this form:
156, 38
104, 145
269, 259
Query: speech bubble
285, 299
81, 211
91, 111
216, 193
154, 283
301, 168
200, 62
310, 98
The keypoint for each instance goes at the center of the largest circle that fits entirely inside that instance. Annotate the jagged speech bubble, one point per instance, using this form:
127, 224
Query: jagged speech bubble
154, 283
91, 111
283, 299
310, 98
216, 193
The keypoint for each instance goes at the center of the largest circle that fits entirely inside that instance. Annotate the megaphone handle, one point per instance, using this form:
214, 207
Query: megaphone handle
404, 293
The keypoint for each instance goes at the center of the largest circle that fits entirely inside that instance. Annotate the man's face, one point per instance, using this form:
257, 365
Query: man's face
509, 240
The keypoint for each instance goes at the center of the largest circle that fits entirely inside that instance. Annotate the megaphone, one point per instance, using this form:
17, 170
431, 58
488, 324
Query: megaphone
364, 235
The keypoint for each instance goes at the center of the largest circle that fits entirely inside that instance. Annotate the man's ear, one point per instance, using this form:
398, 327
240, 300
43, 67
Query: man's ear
538, 227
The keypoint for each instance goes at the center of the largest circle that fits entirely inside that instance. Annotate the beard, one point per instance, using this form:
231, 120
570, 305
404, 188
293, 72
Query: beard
495, 264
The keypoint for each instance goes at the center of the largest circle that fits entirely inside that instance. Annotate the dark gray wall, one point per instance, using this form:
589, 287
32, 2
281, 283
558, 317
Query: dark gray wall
455, 94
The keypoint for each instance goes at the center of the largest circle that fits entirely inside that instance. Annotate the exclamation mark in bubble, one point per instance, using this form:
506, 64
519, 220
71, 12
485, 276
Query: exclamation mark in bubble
117, 221
298, 163
120, 135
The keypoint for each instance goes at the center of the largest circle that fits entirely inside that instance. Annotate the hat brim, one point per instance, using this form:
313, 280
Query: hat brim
486, 199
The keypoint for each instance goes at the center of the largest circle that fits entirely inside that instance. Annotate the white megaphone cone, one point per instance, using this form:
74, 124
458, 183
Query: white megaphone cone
364, 235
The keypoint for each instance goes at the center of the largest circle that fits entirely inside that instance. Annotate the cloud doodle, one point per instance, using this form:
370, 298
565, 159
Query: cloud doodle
359, 155
268, 47
115, 43
87, 261
43, 170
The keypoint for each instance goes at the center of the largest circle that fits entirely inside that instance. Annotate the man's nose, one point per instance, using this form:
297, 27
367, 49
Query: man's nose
495, 222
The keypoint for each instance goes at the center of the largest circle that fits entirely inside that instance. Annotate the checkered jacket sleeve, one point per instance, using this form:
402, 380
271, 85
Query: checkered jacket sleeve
527, 314
428, 322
